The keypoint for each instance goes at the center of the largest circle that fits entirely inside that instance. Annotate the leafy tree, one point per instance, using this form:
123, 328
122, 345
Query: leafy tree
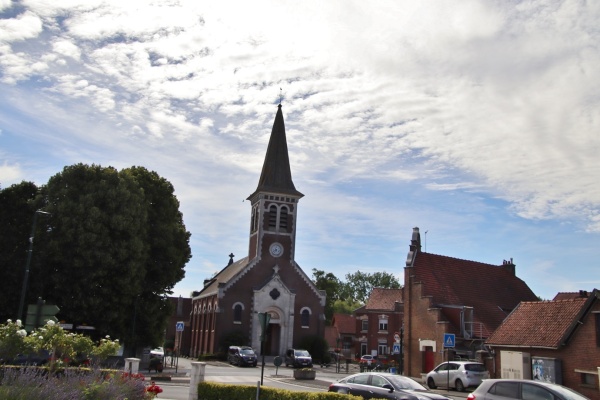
331, 285
17, 209
110, 253
345, 306
358, 285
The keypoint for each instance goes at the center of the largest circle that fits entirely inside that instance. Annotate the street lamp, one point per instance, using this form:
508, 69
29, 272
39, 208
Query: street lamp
29, 252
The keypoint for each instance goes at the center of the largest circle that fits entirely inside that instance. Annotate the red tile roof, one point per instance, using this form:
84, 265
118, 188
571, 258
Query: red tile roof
345, 324
492, 290
570, 295
384, 299
539, 324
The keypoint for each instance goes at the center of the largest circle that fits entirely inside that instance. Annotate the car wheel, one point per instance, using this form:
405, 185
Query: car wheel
459, 385
431, 383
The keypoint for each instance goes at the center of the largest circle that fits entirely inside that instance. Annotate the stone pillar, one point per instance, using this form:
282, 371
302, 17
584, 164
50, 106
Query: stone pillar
196, 376
132, 365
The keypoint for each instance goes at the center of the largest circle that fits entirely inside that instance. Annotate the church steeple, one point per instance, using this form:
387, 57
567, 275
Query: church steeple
276, 175
275, 201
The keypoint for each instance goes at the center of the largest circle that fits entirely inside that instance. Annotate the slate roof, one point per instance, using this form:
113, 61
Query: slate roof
346, 324
544, 324
276, 175
492, 290
223, 276
385, 299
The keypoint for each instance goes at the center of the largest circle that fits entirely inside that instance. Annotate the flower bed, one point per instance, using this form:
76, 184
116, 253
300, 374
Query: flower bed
305, 374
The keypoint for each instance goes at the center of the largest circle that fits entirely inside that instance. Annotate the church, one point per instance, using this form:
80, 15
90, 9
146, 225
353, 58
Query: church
268, 279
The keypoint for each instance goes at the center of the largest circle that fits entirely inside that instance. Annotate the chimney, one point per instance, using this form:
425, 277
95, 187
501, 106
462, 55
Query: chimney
415, 247
509, 266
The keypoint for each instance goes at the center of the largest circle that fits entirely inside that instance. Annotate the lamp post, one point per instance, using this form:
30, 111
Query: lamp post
29, 252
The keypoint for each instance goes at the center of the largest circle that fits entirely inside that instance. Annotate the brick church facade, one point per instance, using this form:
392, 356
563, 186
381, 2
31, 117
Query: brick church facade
268, 279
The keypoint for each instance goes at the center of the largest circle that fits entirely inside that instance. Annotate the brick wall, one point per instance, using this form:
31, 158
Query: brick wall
580, 354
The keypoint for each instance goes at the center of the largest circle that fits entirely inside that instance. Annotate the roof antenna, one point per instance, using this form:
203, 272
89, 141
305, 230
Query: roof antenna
280, 95
426, 240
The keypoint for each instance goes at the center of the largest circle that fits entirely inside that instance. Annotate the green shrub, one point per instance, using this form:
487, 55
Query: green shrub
220, 391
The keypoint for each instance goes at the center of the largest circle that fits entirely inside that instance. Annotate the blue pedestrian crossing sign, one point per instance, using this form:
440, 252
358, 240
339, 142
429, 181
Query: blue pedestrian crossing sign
449, 340
179, 326
396, 348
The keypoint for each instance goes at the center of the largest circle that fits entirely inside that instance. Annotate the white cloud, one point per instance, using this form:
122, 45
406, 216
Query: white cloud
492, 99
25, 26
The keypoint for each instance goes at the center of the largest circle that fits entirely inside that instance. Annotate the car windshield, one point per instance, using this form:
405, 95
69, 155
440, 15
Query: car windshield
406, 383
247, 351
475, 367
302, 353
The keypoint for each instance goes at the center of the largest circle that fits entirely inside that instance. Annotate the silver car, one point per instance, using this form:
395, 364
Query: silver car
457, 374
506, 389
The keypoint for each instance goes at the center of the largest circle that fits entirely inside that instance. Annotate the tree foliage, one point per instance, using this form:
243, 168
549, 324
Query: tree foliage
16, 216
331, 285
346, 296
358, 285
111, 251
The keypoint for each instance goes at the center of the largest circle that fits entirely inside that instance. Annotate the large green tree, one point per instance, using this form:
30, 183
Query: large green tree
331, 285
358, 285
16, 216
111, 251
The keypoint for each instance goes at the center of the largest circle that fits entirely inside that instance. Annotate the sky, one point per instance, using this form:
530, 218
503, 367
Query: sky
476, 121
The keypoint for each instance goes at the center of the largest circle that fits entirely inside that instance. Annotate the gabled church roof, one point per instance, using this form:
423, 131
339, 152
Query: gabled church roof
276, 175
211, 286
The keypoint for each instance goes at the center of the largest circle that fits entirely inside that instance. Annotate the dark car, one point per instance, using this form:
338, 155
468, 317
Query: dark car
375, 385
298, 358
242, 356
506, 389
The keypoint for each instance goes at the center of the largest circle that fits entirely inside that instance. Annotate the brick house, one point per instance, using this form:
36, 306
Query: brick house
268, 279
378, 321
182, 308
556, 341
345, 327
448, 295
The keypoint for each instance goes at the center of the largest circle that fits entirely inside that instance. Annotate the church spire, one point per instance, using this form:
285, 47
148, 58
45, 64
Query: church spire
276, 175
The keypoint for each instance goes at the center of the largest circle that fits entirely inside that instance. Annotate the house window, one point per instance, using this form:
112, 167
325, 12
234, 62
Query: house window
237, 313
383, 324
382, 348
305, 317
588, 379
363, 349
365, 325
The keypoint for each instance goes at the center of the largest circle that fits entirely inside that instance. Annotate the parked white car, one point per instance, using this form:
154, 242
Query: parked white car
457, 374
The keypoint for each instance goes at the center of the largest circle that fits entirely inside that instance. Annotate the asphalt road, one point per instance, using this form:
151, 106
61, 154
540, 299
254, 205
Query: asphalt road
281, 377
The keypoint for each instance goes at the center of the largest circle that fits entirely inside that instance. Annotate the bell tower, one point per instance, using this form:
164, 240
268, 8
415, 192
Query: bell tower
275, 201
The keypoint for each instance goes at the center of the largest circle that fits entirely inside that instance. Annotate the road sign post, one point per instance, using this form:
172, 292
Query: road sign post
449, 342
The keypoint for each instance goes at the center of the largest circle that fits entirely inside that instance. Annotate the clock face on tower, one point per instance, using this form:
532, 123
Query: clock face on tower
276, 249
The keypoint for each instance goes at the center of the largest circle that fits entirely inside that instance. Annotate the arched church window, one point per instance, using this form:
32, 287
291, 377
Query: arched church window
273, 217
283, 219
237, 313
254, 221
305, 317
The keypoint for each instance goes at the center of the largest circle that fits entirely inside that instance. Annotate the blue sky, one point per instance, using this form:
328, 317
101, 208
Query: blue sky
476, 121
